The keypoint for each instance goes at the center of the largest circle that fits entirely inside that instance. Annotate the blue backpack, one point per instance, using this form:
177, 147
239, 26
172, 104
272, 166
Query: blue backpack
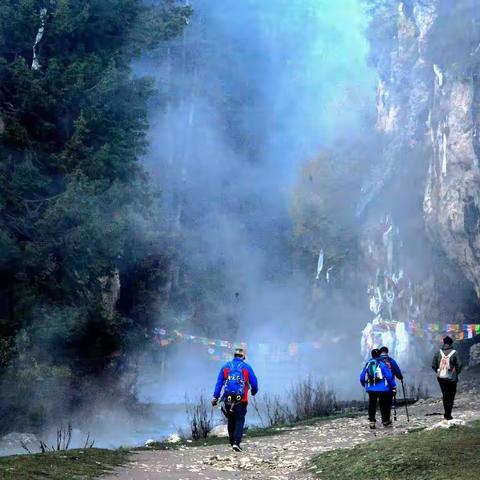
374, 372
235, 381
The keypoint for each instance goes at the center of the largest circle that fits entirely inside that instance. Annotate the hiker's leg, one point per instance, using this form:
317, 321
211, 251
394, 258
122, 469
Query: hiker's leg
454, 392
448, 399
240, 412
230, 425
444, 389
448, 404
386, 406
451, 390
372, 405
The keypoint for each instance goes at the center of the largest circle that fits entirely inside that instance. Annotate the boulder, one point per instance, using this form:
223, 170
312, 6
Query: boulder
220, 431
12, 443
474, 355
447, 424
174, 438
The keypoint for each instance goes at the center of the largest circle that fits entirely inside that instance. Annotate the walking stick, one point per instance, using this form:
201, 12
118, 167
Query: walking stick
405, 400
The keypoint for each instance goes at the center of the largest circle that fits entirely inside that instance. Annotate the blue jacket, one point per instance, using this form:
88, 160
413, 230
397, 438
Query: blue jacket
385, 385
393, 365
248, 374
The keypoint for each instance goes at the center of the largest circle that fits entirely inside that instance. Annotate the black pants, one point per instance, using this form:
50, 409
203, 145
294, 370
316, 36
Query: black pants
385, 400
236, 421
449, 389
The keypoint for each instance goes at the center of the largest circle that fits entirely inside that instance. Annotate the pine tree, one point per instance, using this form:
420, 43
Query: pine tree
73, 121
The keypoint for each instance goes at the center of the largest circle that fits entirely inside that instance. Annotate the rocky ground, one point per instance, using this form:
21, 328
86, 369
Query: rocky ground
287, 455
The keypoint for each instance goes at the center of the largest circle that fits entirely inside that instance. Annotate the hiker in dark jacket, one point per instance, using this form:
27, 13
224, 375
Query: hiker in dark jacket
235, 379
391, 363
379, 383
446, 363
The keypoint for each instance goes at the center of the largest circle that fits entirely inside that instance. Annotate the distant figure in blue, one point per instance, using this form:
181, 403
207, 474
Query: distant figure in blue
235, 378
379, 383
391, 363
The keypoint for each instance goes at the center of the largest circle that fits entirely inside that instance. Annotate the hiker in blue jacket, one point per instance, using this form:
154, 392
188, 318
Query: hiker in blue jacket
379, 383
235, 379
391, 363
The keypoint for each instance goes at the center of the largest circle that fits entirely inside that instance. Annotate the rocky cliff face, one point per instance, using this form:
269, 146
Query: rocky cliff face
425, 193
451, 197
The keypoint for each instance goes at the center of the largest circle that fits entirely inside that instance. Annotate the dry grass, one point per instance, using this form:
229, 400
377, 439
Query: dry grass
82, 464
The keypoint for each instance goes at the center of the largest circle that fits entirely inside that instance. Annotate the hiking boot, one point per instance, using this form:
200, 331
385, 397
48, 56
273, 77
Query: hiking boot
372, 425
448, 417
387, 424
237, 448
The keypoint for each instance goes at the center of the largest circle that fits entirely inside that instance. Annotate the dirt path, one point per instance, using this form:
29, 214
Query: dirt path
282, 456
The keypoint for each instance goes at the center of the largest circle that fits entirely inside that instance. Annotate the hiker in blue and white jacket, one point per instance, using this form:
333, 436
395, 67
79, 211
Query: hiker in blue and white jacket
379, 382
235, 379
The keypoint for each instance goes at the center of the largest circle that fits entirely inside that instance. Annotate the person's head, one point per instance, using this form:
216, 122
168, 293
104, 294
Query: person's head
448, 340
239, 353
375, 353
383, 351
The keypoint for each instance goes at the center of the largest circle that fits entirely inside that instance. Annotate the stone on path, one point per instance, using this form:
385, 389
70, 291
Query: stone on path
219, 431
447, 424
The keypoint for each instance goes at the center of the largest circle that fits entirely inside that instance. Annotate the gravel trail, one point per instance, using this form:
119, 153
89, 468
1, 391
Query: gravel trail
283, 456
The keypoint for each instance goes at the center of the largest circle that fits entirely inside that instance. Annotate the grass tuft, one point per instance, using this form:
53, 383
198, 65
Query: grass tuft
85, 464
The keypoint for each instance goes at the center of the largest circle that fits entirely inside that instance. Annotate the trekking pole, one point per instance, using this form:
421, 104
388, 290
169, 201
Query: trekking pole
405, 400
395, 407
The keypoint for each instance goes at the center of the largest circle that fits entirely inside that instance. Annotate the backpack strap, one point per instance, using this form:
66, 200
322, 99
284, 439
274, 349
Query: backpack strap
383, 367
242, 366
442, 353
229, 365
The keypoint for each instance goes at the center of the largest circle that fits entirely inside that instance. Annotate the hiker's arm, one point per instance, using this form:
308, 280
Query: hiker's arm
435, 363
253, 380
458, 363
362, 376
396, 369
390, 378
219, 384
391, 382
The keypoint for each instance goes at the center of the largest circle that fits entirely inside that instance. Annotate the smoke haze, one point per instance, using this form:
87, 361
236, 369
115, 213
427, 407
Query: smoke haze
255, 90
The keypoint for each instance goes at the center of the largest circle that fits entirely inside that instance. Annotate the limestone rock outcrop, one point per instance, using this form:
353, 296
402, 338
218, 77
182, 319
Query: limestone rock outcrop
427, 181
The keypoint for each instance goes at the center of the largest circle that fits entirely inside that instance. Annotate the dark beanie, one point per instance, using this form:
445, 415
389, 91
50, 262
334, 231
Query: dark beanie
384, 350
375, 353
448, 340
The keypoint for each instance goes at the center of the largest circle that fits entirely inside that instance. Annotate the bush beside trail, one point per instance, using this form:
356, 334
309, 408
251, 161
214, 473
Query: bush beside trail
200, 418
307, 399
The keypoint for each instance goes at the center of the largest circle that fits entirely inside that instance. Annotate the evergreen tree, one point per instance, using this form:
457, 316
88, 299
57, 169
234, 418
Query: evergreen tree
73, 120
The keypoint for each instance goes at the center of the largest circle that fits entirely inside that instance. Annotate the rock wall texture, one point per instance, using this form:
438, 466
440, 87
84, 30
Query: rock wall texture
425, 191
